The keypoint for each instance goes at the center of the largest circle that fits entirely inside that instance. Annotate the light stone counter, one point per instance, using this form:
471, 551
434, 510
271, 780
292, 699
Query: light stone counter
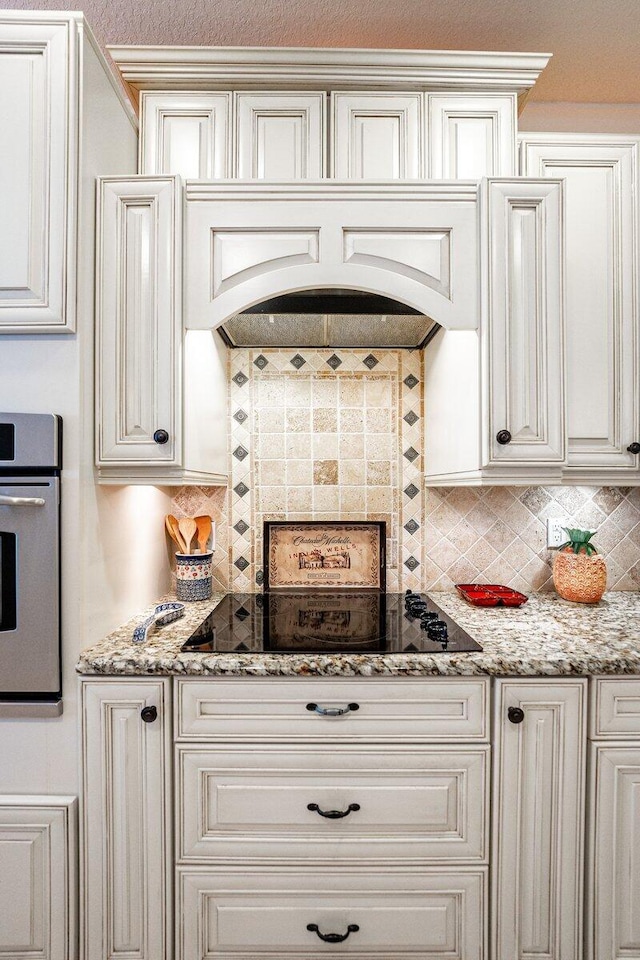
545, 637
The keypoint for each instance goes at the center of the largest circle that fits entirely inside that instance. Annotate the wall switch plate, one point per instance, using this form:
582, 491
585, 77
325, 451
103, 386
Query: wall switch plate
556, 534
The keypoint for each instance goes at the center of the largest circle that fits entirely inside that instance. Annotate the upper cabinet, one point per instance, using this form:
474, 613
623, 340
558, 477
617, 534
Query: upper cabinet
186, 134
377, 136
471, 136
494, 399
602, 321
56, 83
158, 392
280, 136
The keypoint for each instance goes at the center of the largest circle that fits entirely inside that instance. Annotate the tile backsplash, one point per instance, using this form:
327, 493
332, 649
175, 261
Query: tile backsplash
328, 435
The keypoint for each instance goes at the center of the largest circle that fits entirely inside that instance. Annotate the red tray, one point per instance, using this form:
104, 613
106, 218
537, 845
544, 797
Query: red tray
490, 595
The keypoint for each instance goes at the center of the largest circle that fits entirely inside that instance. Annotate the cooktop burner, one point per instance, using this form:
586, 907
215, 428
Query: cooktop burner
329, 622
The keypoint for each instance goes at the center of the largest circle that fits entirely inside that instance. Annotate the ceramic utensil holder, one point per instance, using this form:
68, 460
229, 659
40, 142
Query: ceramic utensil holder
193, 576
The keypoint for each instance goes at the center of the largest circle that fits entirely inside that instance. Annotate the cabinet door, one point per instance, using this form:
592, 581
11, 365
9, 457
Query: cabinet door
377, 136
538, 819
280, 136
472, 136
185, 133
613, 927
126, 820
522, 324
601, 184
38, 172
139, 323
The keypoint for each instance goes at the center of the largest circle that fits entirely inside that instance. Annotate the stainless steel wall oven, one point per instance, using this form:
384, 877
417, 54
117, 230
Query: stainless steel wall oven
30, 464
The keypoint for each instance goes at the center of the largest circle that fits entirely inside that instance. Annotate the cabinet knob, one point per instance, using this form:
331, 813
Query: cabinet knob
333, 937
634, 447
149, 714
515, 714
503, 437
161, 436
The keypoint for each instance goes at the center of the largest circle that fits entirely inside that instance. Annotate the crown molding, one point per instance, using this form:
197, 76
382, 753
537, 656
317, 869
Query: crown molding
215, 68
450, 191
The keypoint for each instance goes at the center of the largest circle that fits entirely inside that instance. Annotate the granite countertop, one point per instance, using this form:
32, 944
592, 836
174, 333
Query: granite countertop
546, 637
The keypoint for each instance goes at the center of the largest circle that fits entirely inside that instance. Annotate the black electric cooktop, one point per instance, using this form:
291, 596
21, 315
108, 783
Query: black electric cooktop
329, 622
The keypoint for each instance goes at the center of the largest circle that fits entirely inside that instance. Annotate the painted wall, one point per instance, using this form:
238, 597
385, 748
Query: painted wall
563, 117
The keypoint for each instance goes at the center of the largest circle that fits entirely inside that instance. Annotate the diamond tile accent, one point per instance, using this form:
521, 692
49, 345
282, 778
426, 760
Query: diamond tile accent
411, 418
241, 527
241, 489
241, 564
411, 491
240, 416
411, 563
334, 362
261, 362
411, 454
240, 453
297, 361
240, 379
260, 577
410, 381
370, 361
411, 526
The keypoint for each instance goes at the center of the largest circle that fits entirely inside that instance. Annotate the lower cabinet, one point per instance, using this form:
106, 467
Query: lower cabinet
613, 874
126, 860
299, 846
538, 819
310, 913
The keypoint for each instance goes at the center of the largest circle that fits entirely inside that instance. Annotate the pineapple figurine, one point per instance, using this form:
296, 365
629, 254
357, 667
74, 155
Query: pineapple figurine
579, 572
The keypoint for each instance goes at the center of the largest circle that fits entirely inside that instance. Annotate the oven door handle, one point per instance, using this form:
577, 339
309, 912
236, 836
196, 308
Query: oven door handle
22, 501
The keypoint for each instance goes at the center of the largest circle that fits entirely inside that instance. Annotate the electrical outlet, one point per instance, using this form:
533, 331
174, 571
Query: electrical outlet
556, 534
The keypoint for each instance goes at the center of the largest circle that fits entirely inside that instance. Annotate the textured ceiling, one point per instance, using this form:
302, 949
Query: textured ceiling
595, 43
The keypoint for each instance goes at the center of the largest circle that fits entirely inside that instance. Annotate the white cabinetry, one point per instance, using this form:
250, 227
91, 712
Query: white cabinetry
145, 431
602, 319
280, 136
52, 77
126, 857
494, 401
187, 134
613, 877
471, 136
377, 136
538, 819
38, 878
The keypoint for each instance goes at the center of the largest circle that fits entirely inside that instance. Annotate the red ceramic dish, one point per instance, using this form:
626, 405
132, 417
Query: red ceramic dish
490, 595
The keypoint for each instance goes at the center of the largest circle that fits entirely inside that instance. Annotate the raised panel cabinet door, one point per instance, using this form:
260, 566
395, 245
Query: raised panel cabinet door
38, 878
602, 323
613, 918
187, 134
126, 857
377, 136
538, 819
472, 136
523, 322
280, 135
38, 174
139, 322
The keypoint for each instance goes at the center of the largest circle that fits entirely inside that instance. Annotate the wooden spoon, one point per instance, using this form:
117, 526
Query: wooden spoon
171, 524
203, 525
187, 528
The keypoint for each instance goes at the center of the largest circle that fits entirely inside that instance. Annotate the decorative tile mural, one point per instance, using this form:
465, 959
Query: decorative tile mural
338, 435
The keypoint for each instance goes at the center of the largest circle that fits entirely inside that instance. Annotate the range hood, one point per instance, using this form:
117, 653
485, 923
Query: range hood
329, 318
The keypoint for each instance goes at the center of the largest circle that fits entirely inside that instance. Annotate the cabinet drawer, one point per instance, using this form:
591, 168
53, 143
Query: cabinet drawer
615, 709
412, 804
249, 914
380, 709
